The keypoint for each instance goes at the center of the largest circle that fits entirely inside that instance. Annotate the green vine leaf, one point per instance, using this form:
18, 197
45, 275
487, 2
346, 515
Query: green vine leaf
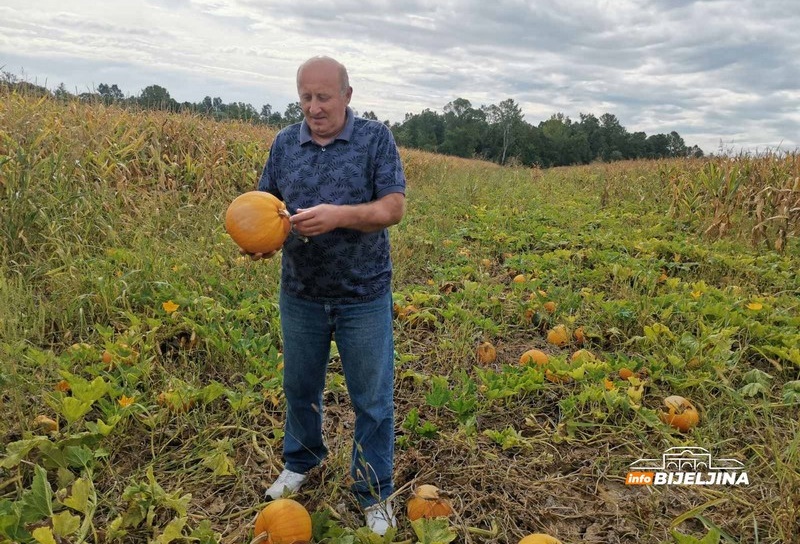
433, 531
37, 502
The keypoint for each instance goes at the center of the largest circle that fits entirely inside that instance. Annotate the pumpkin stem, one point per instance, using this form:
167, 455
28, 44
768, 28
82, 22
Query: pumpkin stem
428, 492
263, 537
488, 533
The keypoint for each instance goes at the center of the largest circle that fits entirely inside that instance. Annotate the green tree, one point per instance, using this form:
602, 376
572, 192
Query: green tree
464, 127
420, 131
658, 146
695, 151
563, 142
110, 93
61, 92
240, 110
157, 98
614, 137
504, 131
531, 145
293, 113
637, 145
675, 145
270, 117
589, 125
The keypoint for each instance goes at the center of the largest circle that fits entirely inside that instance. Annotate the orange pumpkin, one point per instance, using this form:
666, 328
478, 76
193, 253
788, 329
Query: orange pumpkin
427, 503
680, 413
487, 354
284, 521
582, 355
45, 423
539, 538
558, 336
534, 356
557, 378
176, 401
258, 222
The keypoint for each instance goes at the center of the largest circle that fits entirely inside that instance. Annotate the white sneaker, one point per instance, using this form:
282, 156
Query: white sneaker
288, 480
380, 517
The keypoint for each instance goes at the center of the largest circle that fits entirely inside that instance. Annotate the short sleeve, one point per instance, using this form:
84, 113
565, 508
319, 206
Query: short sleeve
389, 175
269, 176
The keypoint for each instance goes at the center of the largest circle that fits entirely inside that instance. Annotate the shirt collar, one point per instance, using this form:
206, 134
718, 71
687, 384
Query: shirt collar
347, 132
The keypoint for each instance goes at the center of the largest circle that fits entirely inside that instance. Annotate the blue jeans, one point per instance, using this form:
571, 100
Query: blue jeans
363, 334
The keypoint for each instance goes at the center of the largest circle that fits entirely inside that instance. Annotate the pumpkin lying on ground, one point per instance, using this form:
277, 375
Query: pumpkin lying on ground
258, 222
534, 356
558, 336
427, 503
282, 521
45, 423
582, 355
580, 335
487, 354
539, 538
176, 401
557, 378
680, 413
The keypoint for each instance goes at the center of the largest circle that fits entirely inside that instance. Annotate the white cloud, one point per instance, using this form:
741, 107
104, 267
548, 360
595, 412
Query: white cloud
716, 70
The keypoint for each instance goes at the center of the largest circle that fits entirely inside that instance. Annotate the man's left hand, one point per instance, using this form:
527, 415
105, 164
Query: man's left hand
316, 220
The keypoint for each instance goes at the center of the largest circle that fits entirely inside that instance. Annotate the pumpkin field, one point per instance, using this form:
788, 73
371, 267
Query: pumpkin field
140, 354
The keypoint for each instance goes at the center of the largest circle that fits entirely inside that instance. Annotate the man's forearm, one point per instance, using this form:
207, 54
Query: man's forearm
376, 215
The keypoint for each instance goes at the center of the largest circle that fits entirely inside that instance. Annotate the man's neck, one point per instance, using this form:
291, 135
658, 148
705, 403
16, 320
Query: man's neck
322, 142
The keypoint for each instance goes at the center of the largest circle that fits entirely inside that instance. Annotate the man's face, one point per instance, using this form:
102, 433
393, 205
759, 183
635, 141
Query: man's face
321, 99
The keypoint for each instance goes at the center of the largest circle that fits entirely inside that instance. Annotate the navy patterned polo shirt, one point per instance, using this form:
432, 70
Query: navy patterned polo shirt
361, 165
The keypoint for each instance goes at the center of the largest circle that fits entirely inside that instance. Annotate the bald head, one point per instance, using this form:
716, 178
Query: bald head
324, 91
326, 63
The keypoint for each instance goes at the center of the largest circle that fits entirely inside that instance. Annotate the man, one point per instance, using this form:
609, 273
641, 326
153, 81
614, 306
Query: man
342, 179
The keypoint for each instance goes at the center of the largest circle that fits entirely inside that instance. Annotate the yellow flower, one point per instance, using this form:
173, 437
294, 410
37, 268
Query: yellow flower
696, 294
126, 401
169, 306
755, 306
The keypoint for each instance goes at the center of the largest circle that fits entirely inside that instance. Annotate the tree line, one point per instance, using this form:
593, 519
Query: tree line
500, 133
497, 132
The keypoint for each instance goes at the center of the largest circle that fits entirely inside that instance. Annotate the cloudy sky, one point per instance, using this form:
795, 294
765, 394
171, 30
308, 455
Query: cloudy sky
724, 74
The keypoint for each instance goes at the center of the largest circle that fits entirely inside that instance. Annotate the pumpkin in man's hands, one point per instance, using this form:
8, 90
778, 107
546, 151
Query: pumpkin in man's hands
258, 222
